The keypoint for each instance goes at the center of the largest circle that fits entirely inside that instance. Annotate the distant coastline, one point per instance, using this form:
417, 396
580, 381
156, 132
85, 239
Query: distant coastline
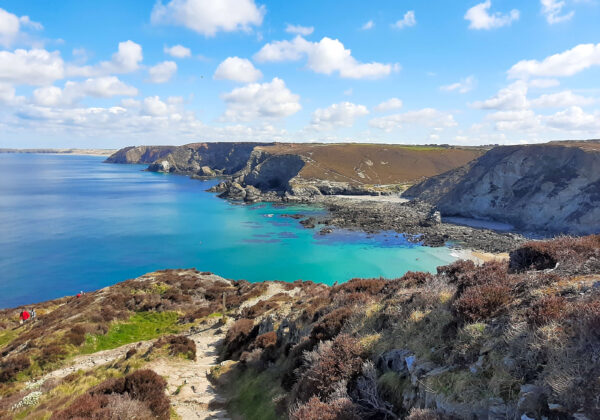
79, 152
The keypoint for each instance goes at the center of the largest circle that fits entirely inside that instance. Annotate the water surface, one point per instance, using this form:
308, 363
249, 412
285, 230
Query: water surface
71, 223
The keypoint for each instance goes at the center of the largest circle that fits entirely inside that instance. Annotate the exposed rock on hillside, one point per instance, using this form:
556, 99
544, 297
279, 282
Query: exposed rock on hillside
140, 154
552, 187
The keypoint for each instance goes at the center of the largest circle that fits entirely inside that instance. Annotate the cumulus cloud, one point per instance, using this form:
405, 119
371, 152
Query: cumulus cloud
567, 63
162, 72
269, 100
543, 83
102, 87
561, 99
514, 96
515, 120
464, 86
480, 17
207, 17
392, 103
238, 70
299, 30
407, 21
575, 119
552, 10
368, 25
178, 51
429, 117
326, 57
11, 27
337, 115
127, 59
36, 67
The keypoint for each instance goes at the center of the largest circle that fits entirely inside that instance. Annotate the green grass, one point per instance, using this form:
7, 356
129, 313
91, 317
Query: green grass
7, 336
141, 326
253, 396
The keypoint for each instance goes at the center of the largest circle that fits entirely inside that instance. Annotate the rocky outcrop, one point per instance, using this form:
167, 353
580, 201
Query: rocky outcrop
140, 154
552, 187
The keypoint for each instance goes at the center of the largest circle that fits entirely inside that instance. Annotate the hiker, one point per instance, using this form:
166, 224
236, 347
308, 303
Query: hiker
33, 315
24, 316
80, 294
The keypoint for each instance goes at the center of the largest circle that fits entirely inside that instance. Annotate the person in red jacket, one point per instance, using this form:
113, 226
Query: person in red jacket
25, 315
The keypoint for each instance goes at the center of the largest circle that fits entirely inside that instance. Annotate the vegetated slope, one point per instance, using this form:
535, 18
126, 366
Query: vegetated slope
375, 163
500, 340
553, 187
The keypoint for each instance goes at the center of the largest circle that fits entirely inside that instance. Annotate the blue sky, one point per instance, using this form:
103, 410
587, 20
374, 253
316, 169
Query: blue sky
105, 74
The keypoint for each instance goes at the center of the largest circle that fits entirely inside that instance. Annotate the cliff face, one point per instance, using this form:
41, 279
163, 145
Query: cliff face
202, 158
140, 154
553, 187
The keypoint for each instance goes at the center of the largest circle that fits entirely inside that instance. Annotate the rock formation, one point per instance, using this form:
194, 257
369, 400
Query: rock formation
553, 187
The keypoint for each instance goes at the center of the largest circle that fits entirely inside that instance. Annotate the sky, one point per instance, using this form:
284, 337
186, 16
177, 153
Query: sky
109, 74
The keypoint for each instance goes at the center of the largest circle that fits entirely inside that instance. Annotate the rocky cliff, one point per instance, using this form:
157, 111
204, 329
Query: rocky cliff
554, 187
140, 154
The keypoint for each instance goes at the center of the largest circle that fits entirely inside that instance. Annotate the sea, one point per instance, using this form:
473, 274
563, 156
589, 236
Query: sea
74, 223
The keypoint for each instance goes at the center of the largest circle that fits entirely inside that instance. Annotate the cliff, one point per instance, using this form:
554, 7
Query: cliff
139, 154
553, 187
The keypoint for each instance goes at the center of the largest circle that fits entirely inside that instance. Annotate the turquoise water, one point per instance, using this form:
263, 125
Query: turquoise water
71, 223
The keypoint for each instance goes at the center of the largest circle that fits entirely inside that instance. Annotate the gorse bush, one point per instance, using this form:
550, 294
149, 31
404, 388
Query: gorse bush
483, 301
239, 334
76, 336
546, 310
331, 324
178, 345
335, 409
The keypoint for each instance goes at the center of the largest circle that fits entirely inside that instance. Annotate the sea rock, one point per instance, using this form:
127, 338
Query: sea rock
252, 194
206, 171
309, 223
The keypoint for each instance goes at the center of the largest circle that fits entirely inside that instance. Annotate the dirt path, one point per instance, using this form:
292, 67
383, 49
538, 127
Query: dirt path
191, 393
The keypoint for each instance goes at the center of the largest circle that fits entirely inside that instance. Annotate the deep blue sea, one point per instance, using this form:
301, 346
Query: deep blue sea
71, 223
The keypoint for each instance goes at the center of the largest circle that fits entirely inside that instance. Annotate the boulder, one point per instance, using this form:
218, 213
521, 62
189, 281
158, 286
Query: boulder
206, 171
532, 401
395, 361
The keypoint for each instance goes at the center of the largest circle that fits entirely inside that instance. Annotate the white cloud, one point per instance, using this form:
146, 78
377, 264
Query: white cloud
543, 83
162, 72
552, 9
102, 87
267, 100
464, 86
368, 25
326, 56
515, 120
207, 17
429, 117
238, 70
575, 119
299, 30
127, 59
337, 115
407, 21
561, 99
480, 18
7, 93
178, 51
11, 27
514, 96
36, 67
393, 103
567, 63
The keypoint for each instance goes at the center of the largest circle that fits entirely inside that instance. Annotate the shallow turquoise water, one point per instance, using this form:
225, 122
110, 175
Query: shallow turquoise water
71, 223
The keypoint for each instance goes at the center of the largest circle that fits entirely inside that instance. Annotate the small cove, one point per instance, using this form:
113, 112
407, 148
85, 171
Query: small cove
71, 223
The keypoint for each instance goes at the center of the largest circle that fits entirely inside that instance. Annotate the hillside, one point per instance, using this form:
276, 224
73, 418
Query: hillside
273, 171
553, 187
501, 340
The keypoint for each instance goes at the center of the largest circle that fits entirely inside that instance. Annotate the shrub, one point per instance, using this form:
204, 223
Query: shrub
85, 406
483, 301
331, 324
122, 407
332, 362
51, 353
546, 310
10, 367
179, 344
455, 271
76, 335
198, 313
531, 257
238, 336
586, 314
369, 286
130, 353
265, 340
259, 308
315, 409
423, 414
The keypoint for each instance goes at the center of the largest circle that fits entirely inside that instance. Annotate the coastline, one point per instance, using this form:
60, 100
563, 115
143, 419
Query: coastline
73, 152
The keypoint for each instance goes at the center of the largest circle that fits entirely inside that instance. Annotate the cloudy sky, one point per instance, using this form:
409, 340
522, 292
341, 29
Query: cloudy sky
113, 73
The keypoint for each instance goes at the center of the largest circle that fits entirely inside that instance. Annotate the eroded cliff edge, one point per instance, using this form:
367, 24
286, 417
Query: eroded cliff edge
553, 187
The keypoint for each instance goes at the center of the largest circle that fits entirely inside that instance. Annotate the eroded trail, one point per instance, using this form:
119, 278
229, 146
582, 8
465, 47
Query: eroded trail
191, 393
